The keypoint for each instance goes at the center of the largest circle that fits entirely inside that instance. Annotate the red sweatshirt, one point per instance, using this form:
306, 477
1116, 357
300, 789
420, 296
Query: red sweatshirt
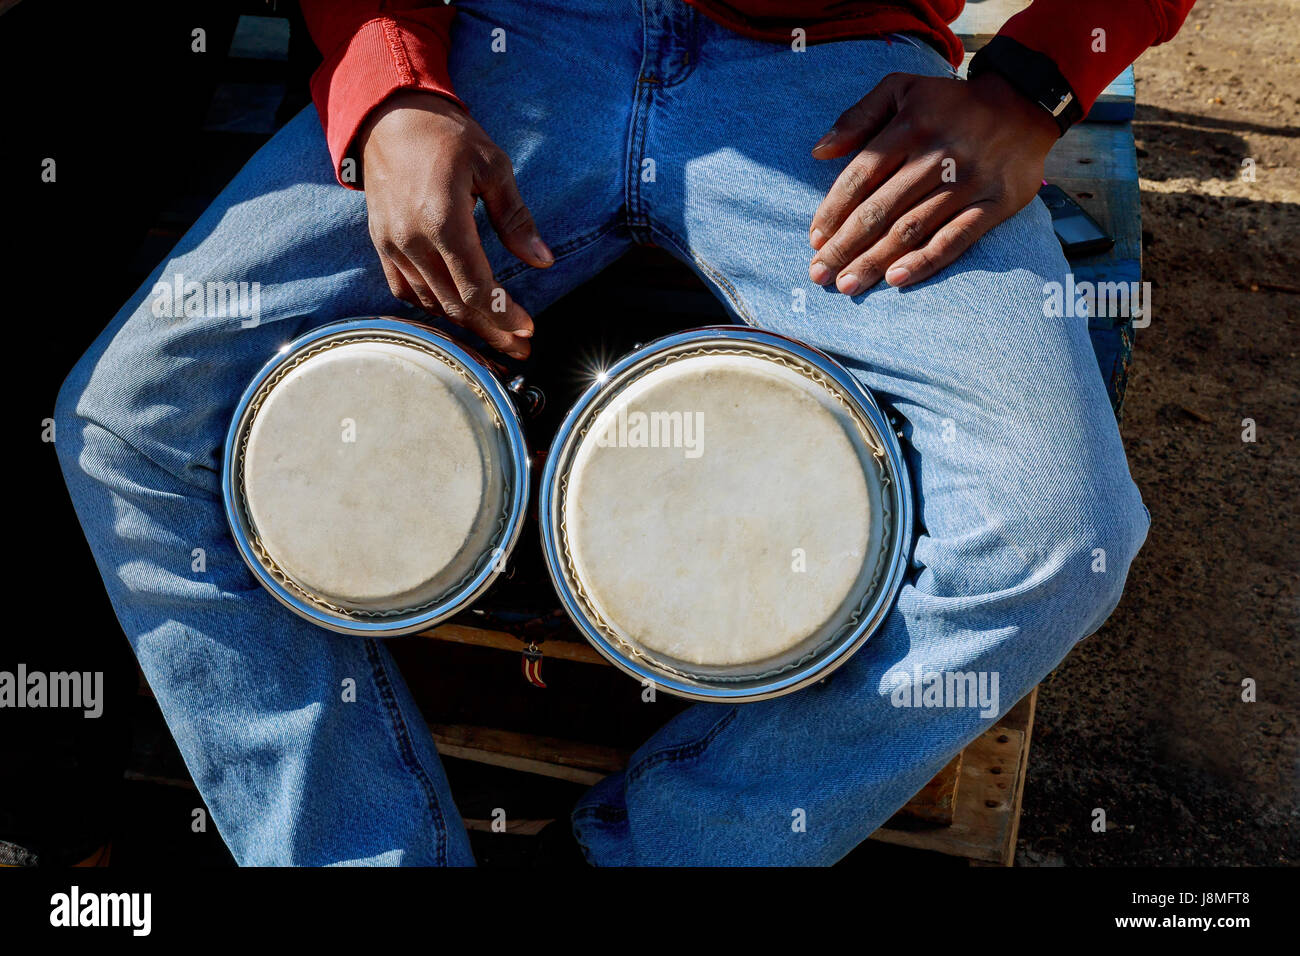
373, 48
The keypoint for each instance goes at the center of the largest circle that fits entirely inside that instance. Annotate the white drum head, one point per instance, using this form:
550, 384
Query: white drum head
373, 475
724, 514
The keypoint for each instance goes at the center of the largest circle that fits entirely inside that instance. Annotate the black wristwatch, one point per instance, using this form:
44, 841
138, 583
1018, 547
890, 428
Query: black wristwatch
1032, 74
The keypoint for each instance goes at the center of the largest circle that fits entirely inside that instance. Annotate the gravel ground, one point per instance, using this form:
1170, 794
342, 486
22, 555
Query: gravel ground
1146, 719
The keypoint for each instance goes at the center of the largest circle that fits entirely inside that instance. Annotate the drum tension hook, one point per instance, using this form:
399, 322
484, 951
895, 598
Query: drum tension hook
531, 398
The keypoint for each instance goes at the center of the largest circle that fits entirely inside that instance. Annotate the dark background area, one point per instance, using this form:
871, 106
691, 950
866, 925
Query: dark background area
114, 94
1144, 719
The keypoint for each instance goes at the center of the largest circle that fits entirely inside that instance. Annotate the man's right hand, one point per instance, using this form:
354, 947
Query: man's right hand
424, 161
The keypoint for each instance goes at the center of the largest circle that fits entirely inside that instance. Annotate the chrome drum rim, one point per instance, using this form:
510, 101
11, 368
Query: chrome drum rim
894, 560
516, 509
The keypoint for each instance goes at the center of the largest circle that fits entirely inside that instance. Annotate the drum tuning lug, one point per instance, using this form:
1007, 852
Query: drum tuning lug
636, 346
530, 397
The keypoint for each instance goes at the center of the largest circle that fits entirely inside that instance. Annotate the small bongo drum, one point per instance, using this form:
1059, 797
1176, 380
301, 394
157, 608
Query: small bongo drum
375, 476
726, 514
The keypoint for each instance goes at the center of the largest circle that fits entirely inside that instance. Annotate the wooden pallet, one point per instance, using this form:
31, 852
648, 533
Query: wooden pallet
970, 809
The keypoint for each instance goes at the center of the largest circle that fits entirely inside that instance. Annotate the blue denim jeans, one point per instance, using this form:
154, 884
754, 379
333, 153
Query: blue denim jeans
628, 122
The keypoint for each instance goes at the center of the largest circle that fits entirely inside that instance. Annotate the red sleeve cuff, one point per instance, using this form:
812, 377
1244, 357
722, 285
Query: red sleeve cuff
1092, 43
383, 56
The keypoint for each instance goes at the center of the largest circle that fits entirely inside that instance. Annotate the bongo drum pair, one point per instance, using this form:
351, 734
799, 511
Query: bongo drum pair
724, 512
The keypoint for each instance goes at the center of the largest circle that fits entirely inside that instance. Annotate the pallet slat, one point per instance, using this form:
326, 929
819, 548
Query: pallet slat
935, 803
986, 818
572, 760
513, 827
582, 652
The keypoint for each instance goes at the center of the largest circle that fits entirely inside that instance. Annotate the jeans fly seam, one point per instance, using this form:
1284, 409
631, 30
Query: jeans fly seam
636, 213
636, 128
684, 26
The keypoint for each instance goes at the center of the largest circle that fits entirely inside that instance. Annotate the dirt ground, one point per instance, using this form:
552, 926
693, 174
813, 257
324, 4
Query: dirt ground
1146, 719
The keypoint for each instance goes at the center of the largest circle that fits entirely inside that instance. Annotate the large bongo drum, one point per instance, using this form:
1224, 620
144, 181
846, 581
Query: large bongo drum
726, 514
375, 476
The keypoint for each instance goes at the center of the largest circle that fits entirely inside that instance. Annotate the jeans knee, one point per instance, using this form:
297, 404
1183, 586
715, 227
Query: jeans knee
1086, 569
68, 420
97, 420
137, 402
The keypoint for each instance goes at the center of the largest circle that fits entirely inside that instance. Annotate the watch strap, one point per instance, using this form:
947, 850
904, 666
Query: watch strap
1033, 75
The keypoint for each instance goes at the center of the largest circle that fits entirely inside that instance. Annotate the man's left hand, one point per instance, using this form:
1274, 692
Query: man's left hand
942, 162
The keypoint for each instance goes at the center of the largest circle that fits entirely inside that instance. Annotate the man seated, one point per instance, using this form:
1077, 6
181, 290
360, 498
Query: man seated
818, 165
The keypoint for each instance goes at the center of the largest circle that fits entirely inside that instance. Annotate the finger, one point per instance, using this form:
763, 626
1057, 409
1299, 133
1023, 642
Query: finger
909, 231
410, 276
398, 284
879, 160
458, 244
949, 242
437, 274
870, 220
510, 216
456, 309
403, 281
863, 119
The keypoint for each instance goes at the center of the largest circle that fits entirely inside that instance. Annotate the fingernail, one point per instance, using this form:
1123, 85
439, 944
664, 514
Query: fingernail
523, 333
542, 251
897, 275
847, 283
826, 140
819, 273
815, 238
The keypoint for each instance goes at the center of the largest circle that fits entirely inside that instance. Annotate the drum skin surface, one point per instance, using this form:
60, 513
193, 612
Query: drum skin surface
741, 538
371, 475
